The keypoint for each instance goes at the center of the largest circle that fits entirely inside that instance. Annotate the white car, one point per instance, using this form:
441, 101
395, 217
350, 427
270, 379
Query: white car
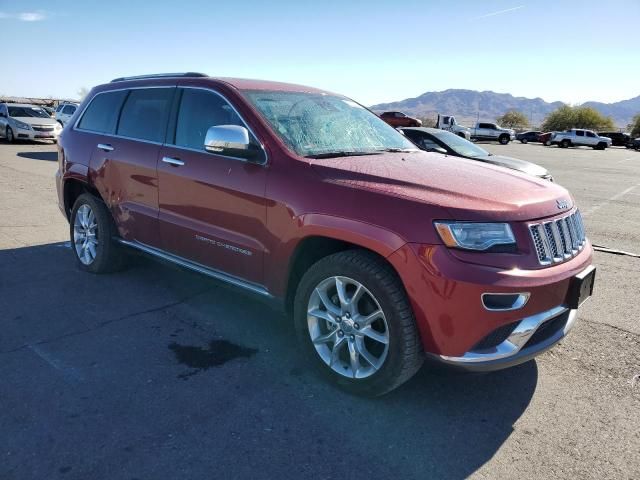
27, 122
65, 111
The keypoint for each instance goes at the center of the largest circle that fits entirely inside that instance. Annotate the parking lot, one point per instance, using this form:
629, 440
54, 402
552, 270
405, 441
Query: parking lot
156, 372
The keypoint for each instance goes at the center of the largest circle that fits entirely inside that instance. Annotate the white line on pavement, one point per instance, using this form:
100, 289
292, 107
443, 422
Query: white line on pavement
609, 200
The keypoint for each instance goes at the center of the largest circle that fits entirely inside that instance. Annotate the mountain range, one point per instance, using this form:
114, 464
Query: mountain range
469, 106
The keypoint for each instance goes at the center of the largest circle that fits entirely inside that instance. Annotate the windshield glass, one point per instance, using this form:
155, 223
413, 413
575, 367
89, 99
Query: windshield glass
460, 145
36, 112
314, 124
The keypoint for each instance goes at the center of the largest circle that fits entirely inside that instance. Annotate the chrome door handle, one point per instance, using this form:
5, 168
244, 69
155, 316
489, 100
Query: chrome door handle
105, 147
176, 162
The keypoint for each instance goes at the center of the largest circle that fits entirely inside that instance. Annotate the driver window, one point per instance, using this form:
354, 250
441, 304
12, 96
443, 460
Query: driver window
199, 110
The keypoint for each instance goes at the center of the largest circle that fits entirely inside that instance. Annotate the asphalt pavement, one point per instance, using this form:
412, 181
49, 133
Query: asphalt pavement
155, 372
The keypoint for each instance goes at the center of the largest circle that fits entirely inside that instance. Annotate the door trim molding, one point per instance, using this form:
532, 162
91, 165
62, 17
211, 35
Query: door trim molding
197, 267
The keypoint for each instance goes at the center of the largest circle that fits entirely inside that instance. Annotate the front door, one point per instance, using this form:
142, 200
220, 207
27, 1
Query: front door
212, 207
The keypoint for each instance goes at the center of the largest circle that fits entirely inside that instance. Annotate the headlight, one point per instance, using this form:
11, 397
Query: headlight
57, 126
22, 125
496, 237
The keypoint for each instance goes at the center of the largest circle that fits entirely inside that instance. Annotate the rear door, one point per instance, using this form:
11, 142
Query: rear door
580, 138
126, 163
212, 207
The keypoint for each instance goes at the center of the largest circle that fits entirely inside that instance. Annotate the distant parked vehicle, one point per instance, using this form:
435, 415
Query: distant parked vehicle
399, 119
530, 136
448, 123
577, 137
50, 111
26, 122
545, 138
618, 139
435, 140
482, 130
65, 111
491, 131
635, 144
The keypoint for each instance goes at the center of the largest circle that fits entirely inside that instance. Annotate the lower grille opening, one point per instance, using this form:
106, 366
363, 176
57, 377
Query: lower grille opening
496, 337
548, 329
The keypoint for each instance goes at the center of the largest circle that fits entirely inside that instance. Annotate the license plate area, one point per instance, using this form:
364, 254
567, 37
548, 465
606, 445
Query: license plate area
581, 287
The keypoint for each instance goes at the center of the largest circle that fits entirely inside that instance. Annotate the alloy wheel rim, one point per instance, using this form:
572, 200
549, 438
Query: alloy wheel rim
9, 135
85, 234
347, 327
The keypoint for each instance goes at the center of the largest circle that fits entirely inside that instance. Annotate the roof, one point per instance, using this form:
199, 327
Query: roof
238, 83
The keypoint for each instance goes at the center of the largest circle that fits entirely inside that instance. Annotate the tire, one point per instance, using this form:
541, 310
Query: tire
547, 143
9, 136
524, 140
602, 146
503, 139
106, 255
565, 143
395, 361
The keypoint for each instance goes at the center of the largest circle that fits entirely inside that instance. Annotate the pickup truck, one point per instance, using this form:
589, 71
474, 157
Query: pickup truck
491, 131
577, 137
482, 130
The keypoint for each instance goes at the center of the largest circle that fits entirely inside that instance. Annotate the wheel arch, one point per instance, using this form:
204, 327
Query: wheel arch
73, 188
324, 236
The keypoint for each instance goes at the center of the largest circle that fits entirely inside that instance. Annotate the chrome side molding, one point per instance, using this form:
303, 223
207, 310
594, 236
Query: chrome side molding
196, 267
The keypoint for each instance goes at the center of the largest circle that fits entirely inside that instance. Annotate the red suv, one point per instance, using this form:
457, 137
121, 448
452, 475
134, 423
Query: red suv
381, 253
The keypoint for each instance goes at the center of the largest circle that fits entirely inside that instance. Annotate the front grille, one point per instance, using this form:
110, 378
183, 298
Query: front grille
558, 240
42, 128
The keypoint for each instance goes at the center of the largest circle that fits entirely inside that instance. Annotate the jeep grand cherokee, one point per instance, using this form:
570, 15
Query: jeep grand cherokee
381, 253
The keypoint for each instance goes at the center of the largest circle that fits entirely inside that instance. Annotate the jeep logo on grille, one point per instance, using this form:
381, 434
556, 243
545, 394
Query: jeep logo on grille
562, 204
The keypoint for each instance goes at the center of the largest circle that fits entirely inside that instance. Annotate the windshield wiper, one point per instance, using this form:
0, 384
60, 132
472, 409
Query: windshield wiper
342, 153
398, 150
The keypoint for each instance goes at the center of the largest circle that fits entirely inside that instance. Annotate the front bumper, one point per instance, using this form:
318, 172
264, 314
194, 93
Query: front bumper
23, 134
530, 337
457, 327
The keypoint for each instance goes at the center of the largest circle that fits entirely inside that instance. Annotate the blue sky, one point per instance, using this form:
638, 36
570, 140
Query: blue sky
373, 51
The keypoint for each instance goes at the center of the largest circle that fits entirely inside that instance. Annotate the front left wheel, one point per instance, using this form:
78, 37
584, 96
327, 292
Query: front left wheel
92, 232
354, 320
504, 139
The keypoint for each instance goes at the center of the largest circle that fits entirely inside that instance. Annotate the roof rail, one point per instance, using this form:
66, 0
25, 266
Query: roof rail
160, 75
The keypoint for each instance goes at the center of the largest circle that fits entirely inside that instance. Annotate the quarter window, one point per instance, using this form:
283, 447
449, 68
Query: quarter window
145, 112
102, 113
200, 110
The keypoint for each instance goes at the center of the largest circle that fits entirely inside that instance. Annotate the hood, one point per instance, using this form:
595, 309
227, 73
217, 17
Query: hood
36, 121
515, 164
467, 189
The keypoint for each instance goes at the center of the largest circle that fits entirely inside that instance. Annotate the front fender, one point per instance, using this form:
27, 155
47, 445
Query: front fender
371, 237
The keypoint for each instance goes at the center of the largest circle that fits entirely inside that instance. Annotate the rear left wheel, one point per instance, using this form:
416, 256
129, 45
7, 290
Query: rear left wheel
354, 319
92, 234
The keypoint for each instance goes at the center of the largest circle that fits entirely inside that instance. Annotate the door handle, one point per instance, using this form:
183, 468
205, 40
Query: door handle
176, 162
105, 147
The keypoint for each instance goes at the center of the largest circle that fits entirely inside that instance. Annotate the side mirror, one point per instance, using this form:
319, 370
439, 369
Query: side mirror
231, 140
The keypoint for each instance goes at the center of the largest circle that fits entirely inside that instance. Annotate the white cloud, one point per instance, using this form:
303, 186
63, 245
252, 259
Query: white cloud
32, 16
499, 12
25, 16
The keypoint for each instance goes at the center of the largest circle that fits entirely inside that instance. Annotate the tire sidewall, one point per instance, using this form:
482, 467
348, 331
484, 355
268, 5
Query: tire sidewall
374, 384
104, 230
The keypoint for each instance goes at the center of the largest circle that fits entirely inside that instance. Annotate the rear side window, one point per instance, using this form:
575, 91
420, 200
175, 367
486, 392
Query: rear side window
145, 112
580, 133
102, 113
69, 110
200, 110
